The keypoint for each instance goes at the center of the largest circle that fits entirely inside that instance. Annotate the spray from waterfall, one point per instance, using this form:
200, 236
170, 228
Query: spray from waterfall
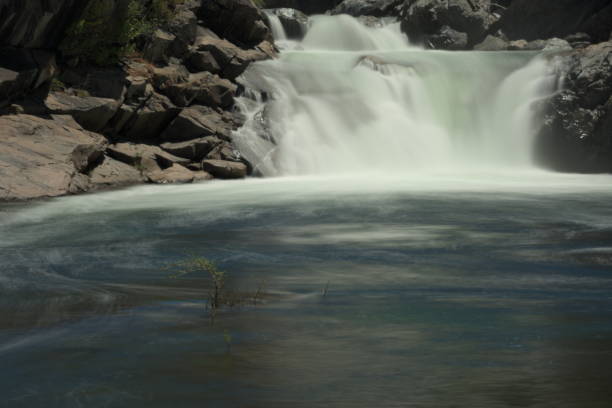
356, 99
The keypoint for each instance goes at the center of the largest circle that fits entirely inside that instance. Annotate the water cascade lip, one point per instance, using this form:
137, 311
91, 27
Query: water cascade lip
352, 98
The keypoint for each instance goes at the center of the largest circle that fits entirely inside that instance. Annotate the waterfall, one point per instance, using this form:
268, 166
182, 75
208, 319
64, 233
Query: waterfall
356, 99
278, 31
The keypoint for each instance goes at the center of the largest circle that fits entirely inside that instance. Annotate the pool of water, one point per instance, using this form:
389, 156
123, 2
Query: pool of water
439, 291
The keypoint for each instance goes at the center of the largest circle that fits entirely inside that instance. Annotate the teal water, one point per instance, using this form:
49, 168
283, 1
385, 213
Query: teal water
442, 291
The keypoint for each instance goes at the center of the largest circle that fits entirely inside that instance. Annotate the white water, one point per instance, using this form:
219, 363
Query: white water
352, 99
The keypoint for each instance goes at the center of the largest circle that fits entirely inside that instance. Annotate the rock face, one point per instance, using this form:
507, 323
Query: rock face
45, 157
376, 8
422, 19
577, 135
541, 19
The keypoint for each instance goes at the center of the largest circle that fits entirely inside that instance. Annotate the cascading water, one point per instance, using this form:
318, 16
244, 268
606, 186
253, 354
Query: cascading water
351, 98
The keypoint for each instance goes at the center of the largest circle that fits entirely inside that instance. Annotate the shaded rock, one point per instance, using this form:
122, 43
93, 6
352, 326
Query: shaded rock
225, 169
90, 112
18, 73
376, 8
448, 39
101, 82
196, 122
232, 60
194, 150
204, 88
147, 120
577, 131
534, 19
184, 26
146, 158
158, 46
294, 22
423, 18
111, 172
579, 40
306, 6
492, 43
37, 157
239, 21
173, 174
203, 61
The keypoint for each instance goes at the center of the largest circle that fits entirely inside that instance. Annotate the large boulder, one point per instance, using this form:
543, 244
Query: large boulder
225, 169
45, 157
421, 19
113, 173
376, 8
195, 150
173, 174
239, 21
541, 19
146, 120
90, 112
577, 131
197, 122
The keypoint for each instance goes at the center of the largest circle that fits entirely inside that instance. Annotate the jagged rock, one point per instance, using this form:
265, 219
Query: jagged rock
196, 122
36, 24
294, 22
577, 131
146, 158
492, 43
376, 8
534, 19
448, 39
225, 169
184, 26
231, 59
147, 120
173, 174
203, 61
90, 112
194, 150
204, 88
423, 18
158, 45
239, 21
37, 157
111, 172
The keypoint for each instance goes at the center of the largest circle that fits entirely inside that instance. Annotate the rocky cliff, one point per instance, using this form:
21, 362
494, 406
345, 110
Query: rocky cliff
99, 93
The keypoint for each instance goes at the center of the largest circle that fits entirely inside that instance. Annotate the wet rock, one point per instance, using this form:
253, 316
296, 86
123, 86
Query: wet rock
294, 22
448, 39
376, 8
173, 174
225, 169
577, 131
239, 21
90, 112
492, 43
197, 122
37, 157
111, 172
535, 19
423, 18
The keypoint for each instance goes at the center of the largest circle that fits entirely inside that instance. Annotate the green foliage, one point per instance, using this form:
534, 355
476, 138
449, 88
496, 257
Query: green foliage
57, 85
260, 3
107, 29
219, 295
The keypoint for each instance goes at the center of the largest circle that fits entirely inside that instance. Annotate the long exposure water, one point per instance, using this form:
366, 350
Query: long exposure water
465, 285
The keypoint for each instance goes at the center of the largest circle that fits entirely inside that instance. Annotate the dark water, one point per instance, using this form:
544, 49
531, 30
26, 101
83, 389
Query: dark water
452, 294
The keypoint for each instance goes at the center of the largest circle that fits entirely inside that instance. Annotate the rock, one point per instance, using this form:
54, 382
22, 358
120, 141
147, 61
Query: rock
158, 45
145, 158
202, 176
231, 59
197, 122
111, 172
203, 88
423, 18
492, 43
145, 121
376, 8
225, 169
294, 22
203, 61
448, 39
18, 73
90, 112
184, 27
194, 150
173, 174
579, 40
577, 131
306, 6
36, 23
37, 157
239, 21
534, 19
